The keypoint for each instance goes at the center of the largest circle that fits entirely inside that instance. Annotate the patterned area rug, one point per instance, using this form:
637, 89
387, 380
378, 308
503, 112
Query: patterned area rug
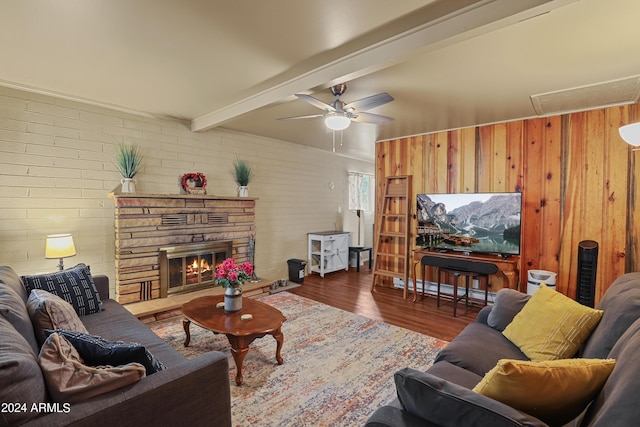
338, 366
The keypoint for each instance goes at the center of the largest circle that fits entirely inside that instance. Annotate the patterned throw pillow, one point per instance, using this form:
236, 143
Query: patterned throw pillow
97, 351
551, 326
74, 285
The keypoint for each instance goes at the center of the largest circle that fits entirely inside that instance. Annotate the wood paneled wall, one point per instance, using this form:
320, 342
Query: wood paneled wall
576, 175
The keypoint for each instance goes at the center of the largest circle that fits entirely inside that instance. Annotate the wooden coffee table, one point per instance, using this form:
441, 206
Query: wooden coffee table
240, 333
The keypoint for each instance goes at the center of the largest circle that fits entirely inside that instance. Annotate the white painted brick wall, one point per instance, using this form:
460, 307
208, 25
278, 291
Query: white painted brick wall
57, 169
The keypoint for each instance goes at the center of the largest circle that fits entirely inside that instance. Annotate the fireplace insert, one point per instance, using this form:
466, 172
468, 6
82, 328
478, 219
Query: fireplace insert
191, 267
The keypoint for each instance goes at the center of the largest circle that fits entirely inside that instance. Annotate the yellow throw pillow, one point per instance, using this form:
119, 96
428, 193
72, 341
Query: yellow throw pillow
555, 391
551, 326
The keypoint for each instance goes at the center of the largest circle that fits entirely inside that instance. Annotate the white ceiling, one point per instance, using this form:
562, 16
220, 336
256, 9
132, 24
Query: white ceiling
237, 64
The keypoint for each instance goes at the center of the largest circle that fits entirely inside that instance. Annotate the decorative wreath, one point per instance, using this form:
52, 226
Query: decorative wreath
197, 178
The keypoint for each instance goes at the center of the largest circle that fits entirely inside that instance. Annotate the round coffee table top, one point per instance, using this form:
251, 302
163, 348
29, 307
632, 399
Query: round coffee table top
203, 312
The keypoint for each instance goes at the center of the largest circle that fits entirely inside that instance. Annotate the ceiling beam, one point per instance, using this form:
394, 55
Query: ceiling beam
439, 24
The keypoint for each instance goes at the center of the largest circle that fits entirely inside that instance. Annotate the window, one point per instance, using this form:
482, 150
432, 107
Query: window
361, 192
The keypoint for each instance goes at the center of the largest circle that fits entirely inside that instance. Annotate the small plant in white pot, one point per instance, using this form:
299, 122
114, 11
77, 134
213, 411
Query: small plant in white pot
129, 162
243, 173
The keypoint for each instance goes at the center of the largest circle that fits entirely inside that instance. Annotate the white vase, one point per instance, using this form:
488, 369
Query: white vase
243, 191
128, 185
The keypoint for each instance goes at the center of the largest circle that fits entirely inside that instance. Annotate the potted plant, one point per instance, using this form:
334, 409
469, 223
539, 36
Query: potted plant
231, 276
242, 175
128, 162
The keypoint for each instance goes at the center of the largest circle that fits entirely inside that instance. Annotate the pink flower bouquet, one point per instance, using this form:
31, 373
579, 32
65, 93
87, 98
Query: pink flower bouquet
231, 274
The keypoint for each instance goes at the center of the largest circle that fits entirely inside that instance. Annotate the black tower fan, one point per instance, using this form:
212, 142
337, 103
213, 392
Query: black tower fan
587, 265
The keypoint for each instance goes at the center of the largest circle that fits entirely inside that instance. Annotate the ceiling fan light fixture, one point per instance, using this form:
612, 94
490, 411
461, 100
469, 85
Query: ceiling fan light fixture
631, 134
337, 121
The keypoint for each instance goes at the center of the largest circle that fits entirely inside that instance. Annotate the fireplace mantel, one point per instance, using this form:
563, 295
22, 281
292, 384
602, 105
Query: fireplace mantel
144, 223
179, 196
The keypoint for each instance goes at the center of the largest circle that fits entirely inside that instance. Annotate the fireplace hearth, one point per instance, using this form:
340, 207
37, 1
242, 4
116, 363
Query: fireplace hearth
191, 267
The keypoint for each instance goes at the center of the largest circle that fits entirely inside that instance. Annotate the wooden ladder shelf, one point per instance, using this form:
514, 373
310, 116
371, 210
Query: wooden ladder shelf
391, 247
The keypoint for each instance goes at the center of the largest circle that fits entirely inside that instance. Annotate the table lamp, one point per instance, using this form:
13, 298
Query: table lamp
59, 246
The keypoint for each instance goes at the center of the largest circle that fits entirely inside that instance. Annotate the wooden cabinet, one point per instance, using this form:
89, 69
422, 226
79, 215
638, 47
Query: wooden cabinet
328, 251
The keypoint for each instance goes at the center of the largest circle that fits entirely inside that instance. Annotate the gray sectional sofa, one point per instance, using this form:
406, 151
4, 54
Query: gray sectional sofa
442, 395
186, 392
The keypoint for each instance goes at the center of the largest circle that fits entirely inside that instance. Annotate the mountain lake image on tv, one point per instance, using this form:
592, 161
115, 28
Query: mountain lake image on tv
470, 222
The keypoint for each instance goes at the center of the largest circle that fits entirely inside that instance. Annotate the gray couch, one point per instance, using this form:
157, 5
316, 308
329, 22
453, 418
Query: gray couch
187, 393
442, 395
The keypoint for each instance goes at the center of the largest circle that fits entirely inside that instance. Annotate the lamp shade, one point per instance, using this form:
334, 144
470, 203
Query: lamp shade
59, 246
337, 121
631, 134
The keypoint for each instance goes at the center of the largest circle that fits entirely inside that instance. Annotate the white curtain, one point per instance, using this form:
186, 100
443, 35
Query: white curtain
361, 199
360, 194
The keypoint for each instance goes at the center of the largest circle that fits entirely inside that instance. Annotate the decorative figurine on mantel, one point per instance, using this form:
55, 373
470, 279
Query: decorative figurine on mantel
194, 183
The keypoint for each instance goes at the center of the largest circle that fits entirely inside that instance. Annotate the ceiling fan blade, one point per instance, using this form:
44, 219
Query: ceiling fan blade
315, 102
376, 119
310, 116
369, 102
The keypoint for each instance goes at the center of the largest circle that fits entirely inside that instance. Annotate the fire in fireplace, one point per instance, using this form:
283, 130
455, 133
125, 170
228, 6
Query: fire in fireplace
191, 267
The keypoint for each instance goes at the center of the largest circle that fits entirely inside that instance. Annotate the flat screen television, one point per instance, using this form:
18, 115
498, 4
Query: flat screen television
470, 222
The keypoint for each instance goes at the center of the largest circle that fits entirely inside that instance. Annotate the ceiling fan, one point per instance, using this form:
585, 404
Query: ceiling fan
338, 115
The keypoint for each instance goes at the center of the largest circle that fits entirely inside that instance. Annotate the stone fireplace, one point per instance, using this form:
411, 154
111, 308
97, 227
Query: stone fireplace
176, 230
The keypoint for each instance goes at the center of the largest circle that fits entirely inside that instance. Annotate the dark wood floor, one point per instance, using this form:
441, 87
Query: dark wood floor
351, 291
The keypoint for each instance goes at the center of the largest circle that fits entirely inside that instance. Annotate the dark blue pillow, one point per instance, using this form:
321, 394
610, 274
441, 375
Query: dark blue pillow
96, 351
74, 285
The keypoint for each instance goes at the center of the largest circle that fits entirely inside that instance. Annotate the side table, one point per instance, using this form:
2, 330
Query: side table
358, 250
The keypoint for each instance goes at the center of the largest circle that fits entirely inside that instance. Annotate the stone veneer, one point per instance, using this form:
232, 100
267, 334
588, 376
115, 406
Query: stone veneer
144, 223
